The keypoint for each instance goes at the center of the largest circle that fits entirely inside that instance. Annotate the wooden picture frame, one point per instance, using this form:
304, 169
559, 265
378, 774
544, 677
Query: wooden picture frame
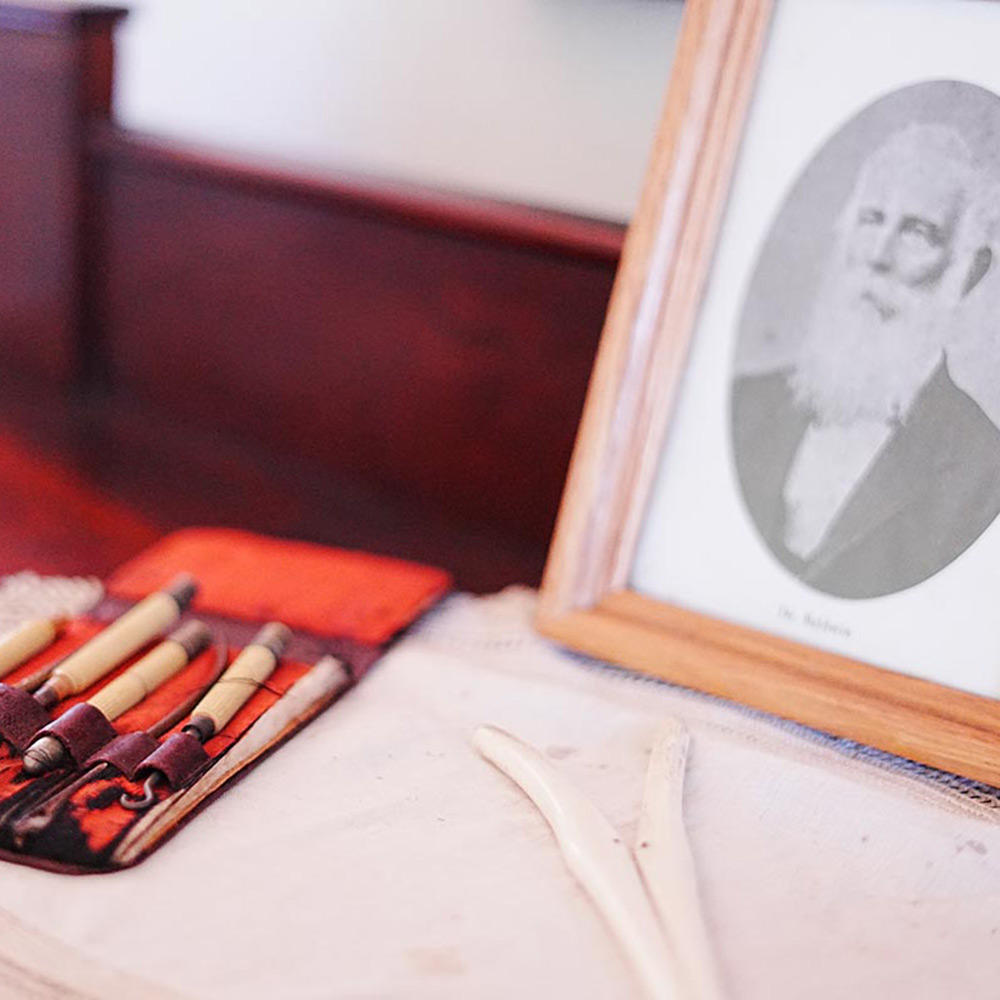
586, 601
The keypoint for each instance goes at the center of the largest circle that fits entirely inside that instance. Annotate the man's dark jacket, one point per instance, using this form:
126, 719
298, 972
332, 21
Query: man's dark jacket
930, 493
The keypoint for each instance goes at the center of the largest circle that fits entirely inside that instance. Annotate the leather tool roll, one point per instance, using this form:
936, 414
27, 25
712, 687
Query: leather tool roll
342, 607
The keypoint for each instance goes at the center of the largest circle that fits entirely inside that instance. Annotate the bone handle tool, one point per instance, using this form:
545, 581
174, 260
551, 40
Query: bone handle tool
129, 688
594, 853
250, 669
127, 635
246, 674
27, 640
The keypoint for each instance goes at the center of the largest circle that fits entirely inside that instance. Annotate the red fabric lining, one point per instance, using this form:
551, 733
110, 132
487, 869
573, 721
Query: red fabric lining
325, 591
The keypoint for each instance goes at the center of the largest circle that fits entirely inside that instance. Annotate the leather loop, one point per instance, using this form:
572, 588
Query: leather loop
82, 730
177, 759
124, 752
20, 716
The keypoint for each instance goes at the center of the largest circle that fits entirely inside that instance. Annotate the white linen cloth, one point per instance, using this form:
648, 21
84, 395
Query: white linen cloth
376, 855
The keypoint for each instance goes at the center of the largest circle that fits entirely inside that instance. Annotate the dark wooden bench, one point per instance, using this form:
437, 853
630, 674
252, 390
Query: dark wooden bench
189, 339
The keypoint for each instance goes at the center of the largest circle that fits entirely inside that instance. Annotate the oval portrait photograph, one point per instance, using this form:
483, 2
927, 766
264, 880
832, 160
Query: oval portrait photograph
866, 386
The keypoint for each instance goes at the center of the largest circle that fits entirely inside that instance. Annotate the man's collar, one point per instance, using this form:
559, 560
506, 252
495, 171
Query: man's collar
935, 376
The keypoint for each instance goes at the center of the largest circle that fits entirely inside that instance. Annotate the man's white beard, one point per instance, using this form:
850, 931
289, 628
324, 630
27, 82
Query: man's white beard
853, 364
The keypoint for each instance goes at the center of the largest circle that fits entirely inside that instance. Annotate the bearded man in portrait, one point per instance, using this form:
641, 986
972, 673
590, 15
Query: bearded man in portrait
864, 467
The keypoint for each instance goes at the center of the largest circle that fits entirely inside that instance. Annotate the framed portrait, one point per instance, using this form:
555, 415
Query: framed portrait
787, 478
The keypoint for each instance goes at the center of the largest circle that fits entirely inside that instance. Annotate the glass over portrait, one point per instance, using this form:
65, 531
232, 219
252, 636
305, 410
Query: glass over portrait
832, 468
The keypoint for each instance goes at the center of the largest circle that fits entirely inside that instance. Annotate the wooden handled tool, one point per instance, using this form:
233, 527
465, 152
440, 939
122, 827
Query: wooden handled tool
253, 666
156, 667
128, 689
27, 640
250, 669
46, 807
123, 637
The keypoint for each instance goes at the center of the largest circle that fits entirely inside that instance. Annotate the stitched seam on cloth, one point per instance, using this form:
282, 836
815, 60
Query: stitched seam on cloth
458, 623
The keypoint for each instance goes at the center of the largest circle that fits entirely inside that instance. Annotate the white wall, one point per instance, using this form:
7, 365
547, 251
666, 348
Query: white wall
546, 102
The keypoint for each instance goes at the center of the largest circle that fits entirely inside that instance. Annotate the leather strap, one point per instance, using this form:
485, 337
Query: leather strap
82, 730
125, 752
176, 759
20, 716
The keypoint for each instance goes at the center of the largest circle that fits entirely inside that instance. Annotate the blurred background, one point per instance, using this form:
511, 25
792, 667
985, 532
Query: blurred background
544, 102
334, 271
